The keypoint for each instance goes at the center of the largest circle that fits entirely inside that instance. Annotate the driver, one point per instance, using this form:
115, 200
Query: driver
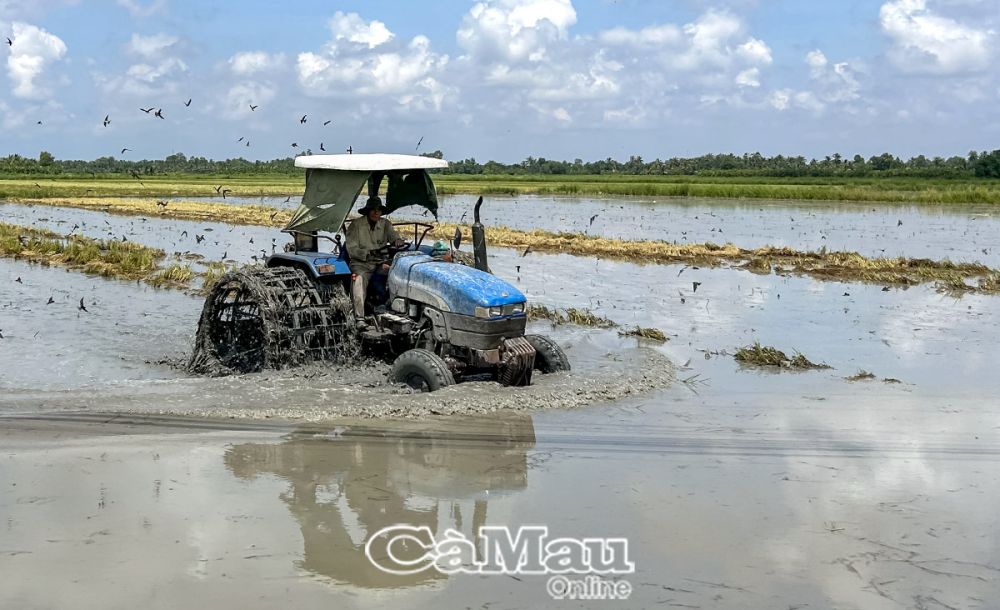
365, 236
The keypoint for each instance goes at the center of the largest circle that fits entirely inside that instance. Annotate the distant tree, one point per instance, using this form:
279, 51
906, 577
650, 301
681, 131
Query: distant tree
45, 158
987, 165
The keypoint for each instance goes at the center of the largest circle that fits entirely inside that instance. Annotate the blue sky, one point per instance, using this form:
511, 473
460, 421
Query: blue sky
500, 79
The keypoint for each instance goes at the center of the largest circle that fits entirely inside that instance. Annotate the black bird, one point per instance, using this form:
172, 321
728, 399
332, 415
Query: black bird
38, 123
295, 144
252, 107
184, 233
251, 240
188, 103
241, 139
225, 192
457, 240
593, 218
162, 203
248, 143
134, 174
10, 42
518, 267
325, 123
50, 301
899, 223
350, 150
82, 307
18, 280
107, 120
126, 149
159, 113
218, 189
273, 215
1, 334
287, 199
148, 110
303, 119
419, 142
199, 238
225, 254
462, 219
321, 147
694, 286
526, 251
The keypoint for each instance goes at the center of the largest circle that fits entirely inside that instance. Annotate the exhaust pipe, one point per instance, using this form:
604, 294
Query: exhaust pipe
479, 240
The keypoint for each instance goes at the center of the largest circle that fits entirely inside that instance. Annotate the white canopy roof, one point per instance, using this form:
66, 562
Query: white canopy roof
369, 162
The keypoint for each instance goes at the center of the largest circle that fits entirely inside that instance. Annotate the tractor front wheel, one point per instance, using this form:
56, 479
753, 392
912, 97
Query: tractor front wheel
549, 357
422, 370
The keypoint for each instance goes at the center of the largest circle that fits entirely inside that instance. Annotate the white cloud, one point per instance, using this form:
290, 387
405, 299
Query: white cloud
33, 50
236, 104
362, 60
749, 78
150, 47
755, 52
651, 36
515, 30
930, 43
351, 27
252, 62
834, 83
156, 70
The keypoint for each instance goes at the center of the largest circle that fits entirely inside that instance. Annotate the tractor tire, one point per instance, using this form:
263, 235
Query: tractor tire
421, 370
270, 318
549, 357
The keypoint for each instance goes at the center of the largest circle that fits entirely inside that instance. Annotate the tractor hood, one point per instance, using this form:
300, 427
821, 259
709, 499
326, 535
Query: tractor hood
449, 286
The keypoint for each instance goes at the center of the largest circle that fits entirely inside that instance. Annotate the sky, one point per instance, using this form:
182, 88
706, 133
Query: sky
500, 79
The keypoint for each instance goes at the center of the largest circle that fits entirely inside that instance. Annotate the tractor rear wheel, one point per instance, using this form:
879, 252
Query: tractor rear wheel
256, 318
549, 357
422, 370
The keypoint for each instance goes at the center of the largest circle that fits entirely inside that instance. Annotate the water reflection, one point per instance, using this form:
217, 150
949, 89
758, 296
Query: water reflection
344, 484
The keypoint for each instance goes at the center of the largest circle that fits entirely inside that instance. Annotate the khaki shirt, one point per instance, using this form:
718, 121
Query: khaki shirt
362, 239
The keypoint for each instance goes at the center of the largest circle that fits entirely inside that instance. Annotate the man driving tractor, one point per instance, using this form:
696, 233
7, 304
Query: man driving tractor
365, 237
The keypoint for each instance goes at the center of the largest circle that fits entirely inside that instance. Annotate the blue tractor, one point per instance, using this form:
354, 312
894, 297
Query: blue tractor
438, 319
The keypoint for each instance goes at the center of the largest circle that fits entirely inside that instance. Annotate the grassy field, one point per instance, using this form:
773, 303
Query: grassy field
888, 190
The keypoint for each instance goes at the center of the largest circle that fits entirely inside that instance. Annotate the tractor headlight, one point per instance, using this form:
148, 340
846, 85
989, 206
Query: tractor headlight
516, 308
489, 312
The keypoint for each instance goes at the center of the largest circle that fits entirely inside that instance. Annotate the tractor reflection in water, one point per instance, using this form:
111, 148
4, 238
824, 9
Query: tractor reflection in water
345, 487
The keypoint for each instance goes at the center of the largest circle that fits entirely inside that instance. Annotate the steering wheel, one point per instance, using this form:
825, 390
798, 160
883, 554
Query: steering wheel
388, 251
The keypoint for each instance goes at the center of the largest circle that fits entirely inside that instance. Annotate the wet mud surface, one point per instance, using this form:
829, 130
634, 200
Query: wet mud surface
737, 487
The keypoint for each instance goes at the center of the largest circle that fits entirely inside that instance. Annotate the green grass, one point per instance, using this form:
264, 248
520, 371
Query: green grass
866, 189
107, 258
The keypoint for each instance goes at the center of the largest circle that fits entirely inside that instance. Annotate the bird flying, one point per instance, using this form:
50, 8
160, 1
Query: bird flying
82, 307
252, 107
321, 147
107, 120
325, 123
148, 110
188, 103
303, 119
124, 149
159, 113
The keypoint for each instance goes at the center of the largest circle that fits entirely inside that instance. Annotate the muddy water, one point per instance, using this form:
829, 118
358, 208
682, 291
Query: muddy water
736, 488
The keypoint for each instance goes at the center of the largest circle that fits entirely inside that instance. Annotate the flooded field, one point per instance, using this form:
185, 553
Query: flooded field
960, 232
737, 487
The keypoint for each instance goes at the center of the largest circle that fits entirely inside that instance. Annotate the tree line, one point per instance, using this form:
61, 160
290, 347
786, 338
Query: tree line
975, 164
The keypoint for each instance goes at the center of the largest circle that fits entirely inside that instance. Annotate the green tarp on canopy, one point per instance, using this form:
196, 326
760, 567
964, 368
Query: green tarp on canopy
330, 195
328, 199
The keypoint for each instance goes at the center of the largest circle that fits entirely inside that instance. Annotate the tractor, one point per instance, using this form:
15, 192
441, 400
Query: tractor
437, 319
